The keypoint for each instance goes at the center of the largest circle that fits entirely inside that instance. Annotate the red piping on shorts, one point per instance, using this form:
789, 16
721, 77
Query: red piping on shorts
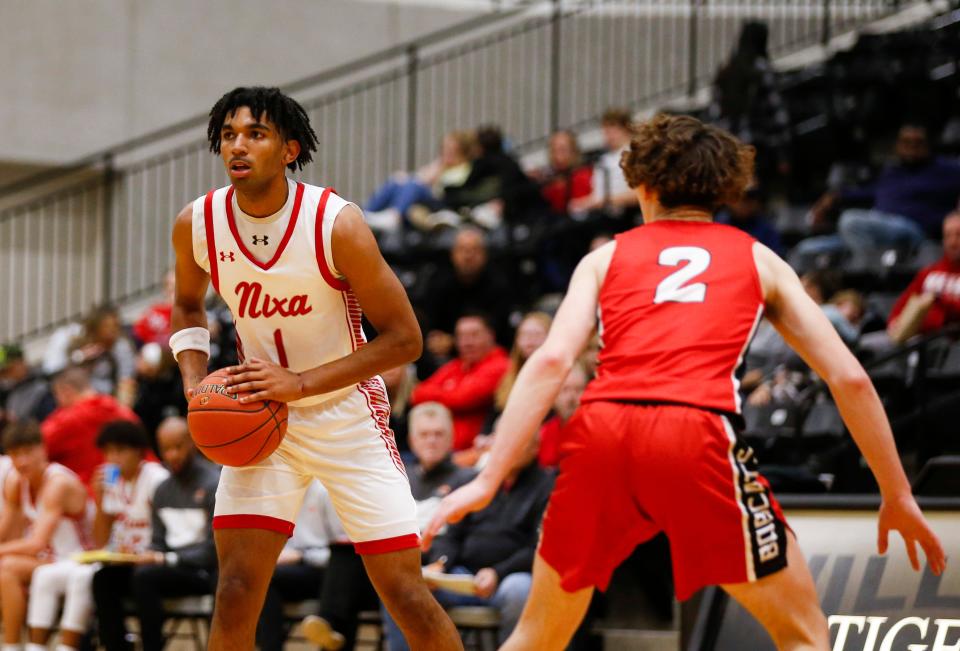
249, 521
385, 545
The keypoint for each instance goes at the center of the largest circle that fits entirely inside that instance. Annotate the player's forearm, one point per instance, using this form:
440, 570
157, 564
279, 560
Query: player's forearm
388, 350
863, 413
535, 390
193, 363
27, 546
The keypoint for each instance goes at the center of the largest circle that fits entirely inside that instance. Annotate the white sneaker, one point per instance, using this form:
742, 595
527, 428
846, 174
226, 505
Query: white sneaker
318, 630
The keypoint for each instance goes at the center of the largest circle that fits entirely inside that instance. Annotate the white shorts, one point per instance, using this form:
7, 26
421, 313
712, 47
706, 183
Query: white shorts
347, 444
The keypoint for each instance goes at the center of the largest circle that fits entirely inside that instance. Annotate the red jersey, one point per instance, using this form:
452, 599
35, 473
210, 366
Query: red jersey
70, 433
942, 279
679, 305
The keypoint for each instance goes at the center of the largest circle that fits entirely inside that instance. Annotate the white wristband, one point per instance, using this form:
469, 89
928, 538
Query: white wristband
190, 339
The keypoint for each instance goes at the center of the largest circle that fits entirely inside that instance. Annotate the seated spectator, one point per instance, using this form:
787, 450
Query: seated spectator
181, 559
466, 384
70, 433
748, 215
496, 545
564, 406
123, 491
391, 202
908, 199
433, 474
497, 180
108, 354
44, 520
610, 189
300, 567
933, 298
531, 333
566, 178
747, 102
24, 390
469, 283
153, 326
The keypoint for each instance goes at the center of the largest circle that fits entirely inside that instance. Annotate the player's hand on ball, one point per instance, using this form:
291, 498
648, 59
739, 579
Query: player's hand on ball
470, 497
257, 379
903, 515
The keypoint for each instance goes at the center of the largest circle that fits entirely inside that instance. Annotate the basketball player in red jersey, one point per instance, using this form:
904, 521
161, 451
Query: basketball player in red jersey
652, 447
298, 267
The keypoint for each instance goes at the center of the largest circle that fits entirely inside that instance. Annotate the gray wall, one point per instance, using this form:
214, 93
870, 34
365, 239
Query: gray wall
80, 75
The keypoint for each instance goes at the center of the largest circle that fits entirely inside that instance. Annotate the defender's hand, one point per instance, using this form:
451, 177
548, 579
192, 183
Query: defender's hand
470, 497
903, 515
257, 379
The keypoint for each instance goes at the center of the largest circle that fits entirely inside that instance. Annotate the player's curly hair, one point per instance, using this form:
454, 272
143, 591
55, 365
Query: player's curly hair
286, 113
687, 162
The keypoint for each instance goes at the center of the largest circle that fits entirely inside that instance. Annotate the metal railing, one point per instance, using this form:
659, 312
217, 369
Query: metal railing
530, 70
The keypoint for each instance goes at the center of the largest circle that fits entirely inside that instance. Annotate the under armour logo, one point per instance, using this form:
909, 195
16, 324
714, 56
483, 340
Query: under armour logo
260, 240
224, 256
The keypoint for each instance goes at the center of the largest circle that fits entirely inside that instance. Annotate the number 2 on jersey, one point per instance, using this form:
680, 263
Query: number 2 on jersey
673, 288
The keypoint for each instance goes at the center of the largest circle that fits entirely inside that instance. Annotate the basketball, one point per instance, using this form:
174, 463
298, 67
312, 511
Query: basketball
230, 432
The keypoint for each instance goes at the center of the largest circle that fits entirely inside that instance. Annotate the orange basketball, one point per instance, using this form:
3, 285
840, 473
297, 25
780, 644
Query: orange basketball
230, 432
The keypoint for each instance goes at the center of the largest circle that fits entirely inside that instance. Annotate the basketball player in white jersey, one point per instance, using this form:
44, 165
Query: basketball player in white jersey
298, 267
44, 519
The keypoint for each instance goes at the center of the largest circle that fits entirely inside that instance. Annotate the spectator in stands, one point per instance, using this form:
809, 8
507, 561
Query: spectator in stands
748, 215
610, 189
108, 353
153, 326
933, 298
70, 433
566, 403
181, 560
531, 333
497, 179
909, 199
469, 283
44, 520
391, 202
566, 178
123, 492
495, 545
747, 102
433, 474
300, 567
24, 390
466, 384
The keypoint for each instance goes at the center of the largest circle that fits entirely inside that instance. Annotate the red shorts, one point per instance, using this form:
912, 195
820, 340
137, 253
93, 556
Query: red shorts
629, 471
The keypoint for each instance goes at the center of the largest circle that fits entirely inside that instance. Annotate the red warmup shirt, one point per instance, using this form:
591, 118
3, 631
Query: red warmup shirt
942, 279
465, 391
561, 189
154, 325
70, 433
677, 309
548, 455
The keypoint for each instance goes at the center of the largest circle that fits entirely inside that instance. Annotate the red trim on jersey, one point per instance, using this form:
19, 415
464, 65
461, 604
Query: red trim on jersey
286, 236
385, 545
337, 283
249, 521
281, 351
211, 245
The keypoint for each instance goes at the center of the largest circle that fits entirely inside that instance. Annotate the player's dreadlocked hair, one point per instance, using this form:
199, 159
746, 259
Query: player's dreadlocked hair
288, 116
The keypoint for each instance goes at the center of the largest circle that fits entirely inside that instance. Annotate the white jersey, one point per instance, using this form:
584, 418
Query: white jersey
294, 308
131, 502
71, 534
